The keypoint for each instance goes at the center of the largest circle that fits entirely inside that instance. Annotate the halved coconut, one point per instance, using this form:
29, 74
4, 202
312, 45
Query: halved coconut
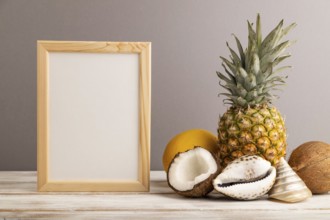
191, 173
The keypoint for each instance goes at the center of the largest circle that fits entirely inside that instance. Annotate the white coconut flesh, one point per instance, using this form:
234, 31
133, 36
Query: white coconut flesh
191, 168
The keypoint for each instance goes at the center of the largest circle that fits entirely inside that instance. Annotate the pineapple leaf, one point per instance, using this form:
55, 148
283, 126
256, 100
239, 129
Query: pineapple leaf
268, 71
230, 65
241, 51
249, 55
260, 78
281, 69
242, 91
252, 45
251, 95
226, 94
259, 99
240, 101
231, 76
280, 59
249, 77
230, 88
286, 30
258, 31
274, 79
275, 52
228, 102
279, 48
268, 89
230, 96
250, 82
255, 64
242, 73
268, 42
235, 57
228, 72
224, 78
252, 33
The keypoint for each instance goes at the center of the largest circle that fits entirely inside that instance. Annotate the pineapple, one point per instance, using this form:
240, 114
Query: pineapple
252, 126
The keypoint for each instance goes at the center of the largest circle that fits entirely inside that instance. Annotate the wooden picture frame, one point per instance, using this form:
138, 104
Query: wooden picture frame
93, 116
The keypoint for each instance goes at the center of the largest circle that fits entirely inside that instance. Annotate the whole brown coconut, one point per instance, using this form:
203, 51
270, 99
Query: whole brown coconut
311, 161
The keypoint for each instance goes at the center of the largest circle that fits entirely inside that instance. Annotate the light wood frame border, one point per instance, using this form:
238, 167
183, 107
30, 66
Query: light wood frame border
144, 51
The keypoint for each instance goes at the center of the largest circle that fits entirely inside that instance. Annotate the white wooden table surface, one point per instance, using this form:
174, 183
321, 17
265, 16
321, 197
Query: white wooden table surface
19, 199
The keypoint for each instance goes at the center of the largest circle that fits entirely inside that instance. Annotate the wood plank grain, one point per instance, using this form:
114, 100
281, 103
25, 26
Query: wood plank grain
191, 215
24, 182
18, 176
19, 199
134, 202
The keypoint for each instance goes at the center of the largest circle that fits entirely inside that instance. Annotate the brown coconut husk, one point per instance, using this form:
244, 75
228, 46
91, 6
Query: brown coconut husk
311, 161
201, 189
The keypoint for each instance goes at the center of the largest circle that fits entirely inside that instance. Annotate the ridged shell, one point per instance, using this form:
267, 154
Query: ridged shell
288, 186
246, 178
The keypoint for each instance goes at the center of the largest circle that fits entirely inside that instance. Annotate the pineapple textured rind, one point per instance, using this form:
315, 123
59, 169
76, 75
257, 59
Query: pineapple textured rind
252, 131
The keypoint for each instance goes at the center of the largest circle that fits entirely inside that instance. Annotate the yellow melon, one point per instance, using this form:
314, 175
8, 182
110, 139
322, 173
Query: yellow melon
188, 140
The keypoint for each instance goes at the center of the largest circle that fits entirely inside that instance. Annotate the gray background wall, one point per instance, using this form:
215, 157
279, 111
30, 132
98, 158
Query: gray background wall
187, 38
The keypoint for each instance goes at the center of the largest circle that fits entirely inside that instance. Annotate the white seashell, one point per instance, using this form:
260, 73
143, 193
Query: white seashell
288, 186
246, 178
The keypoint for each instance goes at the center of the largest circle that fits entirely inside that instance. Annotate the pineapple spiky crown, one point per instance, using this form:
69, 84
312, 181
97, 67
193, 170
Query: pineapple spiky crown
251, 76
